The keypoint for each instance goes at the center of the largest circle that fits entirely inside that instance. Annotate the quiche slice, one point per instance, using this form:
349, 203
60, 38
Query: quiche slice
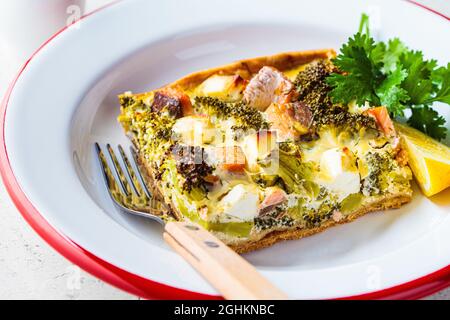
256, 152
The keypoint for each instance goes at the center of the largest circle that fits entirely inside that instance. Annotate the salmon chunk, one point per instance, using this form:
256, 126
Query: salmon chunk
290, 120
383, 120
267, 86
176, 101
274, 196
230, 158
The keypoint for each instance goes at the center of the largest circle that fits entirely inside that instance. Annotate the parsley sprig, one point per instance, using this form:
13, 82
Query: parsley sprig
392, 75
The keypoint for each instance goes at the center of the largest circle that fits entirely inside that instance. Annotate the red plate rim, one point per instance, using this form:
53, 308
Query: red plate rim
140, 286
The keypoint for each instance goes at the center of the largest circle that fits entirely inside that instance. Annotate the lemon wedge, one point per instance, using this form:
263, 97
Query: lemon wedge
429, 160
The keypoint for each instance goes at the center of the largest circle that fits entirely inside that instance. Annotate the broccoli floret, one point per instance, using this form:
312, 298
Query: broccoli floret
314, 218
276, 218
191, 164
138, 119
126, 100
339, 116
314, 91
378, 164
246, 117
311, 84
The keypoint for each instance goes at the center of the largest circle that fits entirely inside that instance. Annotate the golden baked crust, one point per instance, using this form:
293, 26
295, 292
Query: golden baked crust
247, 67
385, 203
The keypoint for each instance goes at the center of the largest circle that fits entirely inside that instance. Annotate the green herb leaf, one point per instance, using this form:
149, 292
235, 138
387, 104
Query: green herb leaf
364, 25
361, 73
441, 77
391, 94
392, 75
395, 49
418, 83
428, 121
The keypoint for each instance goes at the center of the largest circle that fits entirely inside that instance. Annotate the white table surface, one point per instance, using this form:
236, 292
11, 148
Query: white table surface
29, 267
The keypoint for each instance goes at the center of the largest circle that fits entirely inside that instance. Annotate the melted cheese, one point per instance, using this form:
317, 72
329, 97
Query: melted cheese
224, 87
240, 204
338, 172
194, 130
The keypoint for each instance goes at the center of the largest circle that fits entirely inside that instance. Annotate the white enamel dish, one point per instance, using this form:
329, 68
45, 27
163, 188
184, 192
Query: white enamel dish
65, 99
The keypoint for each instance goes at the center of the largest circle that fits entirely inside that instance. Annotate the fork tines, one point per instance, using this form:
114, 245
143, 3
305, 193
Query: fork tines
134, 185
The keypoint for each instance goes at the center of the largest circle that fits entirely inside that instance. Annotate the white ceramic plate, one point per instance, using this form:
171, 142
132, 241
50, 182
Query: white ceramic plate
65, 100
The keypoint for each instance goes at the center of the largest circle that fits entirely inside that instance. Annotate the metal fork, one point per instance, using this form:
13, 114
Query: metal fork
227, 271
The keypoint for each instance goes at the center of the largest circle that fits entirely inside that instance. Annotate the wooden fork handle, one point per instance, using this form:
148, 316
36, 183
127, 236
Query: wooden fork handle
224, 269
